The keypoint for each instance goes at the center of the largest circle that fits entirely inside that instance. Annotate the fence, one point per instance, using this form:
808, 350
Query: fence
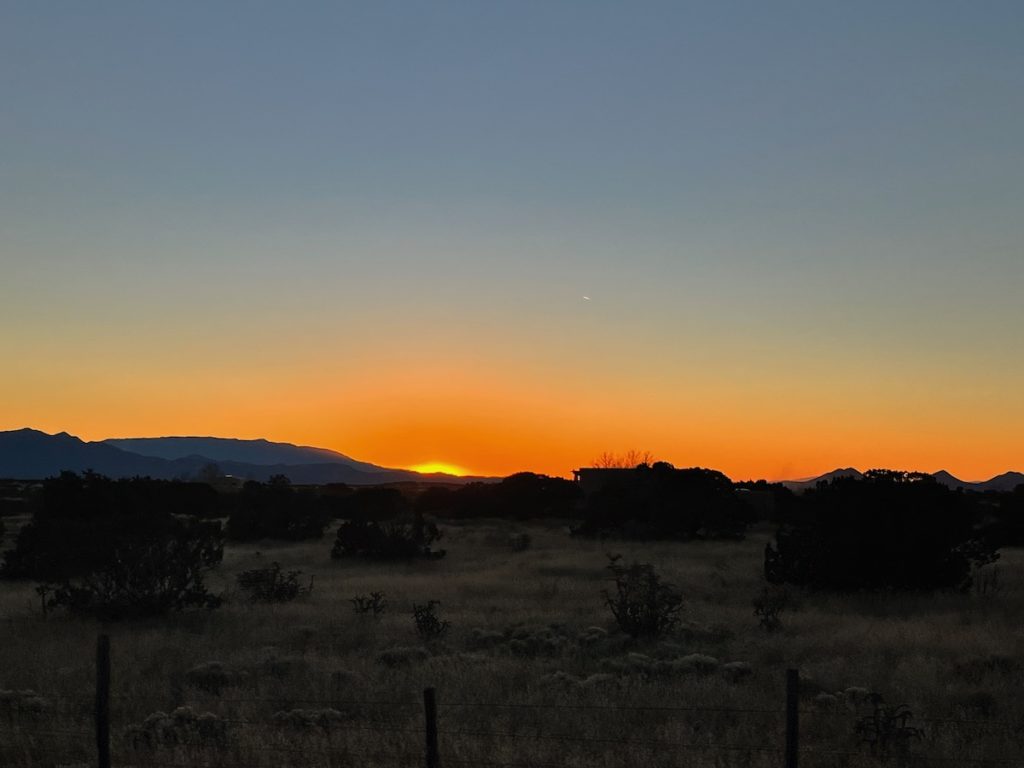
436, 731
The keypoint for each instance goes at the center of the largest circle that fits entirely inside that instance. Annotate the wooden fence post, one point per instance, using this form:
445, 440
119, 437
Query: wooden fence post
430, 713
792, 717
103, 701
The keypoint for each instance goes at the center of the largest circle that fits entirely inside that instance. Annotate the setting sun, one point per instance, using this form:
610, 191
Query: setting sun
431, 467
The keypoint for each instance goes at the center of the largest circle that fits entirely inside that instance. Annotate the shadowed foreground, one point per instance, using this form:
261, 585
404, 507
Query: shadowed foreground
531, 672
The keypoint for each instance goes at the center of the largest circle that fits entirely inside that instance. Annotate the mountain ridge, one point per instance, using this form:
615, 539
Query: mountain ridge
258, 451
1006, 481
32, 454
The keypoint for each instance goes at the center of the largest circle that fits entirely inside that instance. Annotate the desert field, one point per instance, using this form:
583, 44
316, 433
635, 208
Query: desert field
531, 672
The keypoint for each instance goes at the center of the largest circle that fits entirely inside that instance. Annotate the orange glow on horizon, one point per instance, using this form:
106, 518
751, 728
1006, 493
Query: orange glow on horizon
494, 418
435, 467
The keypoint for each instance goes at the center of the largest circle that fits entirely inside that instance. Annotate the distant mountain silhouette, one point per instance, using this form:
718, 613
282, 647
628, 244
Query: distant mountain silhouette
31, 454
948, 480
223, 449
810, 482
1004, 482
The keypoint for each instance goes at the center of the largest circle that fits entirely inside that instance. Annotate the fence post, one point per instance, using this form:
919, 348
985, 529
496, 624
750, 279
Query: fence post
430, 713
103, 701
792, 717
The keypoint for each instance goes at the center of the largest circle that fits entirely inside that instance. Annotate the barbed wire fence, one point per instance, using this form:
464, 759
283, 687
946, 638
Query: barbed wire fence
435, 731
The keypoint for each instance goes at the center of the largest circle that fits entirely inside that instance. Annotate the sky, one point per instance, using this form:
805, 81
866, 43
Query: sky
371, 227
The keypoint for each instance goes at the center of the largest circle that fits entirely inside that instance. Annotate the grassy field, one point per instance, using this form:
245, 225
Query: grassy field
312, 683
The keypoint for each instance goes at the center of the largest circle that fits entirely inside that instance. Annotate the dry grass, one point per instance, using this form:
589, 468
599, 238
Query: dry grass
519, 636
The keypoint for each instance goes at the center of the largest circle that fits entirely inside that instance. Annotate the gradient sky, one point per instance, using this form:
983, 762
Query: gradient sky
370, 226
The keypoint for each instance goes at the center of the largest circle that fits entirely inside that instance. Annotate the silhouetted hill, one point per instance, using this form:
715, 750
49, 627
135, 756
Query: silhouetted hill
802, 485
31, 454
223, 449
1004, 482
948, 480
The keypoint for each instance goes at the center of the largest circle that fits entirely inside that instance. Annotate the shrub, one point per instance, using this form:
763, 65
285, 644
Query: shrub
428, 625
375, 603
272, 585
146, 578
97, 547
213, 677
643, 605
888, 732
387, 540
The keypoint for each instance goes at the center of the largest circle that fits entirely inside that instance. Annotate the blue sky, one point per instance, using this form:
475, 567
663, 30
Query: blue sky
808, 181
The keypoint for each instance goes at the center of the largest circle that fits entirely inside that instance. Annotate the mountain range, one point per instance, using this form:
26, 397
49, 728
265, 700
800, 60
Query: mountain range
31, 454
1004, 482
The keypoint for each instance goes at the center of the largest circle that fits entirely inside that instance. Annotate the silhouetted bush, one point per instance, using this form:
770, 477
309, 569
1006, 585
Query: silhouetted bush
394, 540
887, 731
643, 604
97, 546
885, 530
275, 510
272, 585
662, 502
428, 624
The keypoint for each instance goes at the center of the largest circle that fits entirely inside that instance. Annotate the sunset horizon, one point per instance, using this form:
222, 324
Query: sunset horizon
509, 385
718, 236
431, 465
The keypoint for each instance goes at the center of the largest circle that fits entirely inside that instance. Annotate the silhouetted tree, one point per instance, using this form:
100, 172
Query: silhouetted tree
886, 530
628, 460
374, 504
1005, 516
521, 496
663, 502
276, 510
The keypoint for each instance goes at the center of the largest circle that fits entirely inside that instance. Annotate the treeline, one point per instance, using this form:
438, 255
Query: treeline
141, 546
896, 530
